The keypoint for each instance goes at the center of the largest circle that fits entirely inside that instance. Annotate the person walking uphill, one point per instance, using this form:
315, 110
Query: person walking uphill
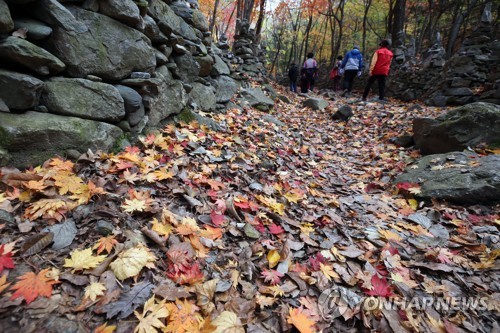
379, 69
335, 74
311, 69
293, 74
352, 65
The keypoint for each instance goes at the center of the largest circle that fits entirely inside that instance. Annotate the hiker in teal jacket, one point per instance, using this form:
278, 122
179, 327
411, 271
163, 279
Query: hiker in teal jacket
352, 65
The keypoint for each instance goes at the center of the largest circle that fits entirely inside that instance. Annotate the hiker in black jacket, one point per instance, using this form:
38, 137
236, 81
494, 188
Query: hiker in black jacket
293, 74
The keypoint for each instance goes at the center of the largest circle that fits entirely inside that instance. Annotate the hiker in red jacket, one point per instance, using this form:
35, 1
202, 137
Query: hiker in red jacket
379, 69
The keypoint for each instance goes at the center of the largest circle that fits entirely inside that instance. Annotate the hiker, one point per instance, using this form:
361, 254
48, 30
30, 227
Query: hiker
293, 74
304, 82
352, 65
336, 75
379, 69
311, 69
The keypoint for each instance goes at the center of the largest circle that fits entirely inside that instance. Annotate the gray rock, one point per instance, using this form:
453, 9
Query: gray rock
188, 67
273, 120
3, 106
199, 21
188, 116
107, 49
125, 11
219, 67
257, 99
84, 99
6, 23
285, 99
458, 92
206, 64
21, 52
56, 15
161, 59
203, 96
36, 30
152, 31
458, 181
6, 217
183, 11
140, 75
19, 91
165, 99
134, 108
343, 113
461, 127
32, 137
104, 228
162, 12
316, 103
226, 87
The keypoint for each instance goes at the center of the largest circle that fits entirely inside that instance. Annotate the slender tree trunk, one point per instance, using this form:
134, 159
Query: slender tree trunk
398, 23
367, 4
308, 28
260, 20
460, 16
214, 14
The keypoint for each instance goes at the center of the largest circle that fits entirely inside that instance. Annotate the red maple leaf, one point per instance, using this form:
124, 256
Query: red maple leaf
180, 258
188, 275
316, 261
5, 259
381, 287
217, 219
272, 276
406, 186
275, 229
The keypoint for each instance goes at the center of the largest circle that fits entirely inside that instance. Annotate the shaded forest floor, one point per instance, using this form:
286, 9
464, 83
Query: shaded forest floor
260, 227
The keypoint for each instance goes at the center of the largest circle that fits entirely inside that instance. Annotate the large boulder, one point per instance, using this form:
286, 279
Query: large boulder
163, 14
315, 103
203, 96
36, 30
188, 68
84, 99
32, 137
19, 91
56, 15
464, 126
226, 87
461, 177
257, 99
199, 21
107, 48
6, 23
165, 98
23, 53
125, 11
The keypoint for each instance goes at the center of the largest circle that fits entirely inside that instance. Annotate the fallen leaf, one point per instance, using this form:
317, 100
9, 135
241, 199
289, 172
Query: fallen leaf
31, 285
83, 259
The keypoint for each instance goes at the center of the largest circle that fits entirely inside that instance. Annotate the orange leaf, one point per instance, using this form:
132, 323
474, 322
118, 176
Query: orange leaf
301, 321
104, 328
105, 244
31, 285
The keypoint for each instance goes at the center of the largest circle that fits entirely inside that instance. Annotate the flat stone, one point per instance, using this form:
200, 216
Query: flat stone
28, 55
19, 91
125, 11
257, 99
32, 137
36, 30
316, 103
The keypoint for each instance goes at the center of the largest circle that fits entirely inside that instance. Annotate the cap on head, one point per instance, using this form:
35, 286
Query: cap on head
355, 47
384, 43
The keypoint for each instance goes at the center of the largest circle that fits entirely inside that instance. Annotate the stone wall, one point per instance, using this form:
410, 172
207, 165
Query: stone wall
83, 74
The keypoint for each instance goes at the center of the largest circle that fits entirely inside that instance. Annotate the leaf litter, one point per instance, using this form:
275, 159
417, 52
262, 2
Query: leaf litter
256, 228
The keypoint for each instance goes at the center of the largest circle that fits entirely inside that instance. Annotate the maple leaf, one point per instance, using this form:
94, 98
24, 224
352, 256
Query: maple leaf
68, 182
328, 271
60, 164
93, 290
48, 209
31, 285
134, 205
104, 328
188, 275
131, 261
83, 259
163, 229
301, 321
275, 229
228, 322
316, 261
5, 258
217, 219
380, 287
272, 276
265, 301
105, 244
3, 283
183, 317
389, 235
149, 319
272, 203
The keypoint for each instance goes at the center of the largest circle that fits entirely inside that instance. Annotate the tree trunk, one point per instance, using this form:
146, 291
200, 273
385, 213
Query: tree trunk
260, 20
398, 23
367, 4
212, 19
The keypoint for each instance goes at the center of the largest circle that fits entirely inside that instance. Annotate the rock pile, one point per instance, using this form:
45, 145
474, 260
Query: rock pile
109, 68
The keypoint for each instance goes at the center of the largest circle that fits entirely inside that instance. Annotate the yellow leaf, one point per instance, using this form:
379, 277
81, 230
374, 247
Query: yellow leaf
389, 235
328, 271
273, 257
68, 182
83, 259
2, 197
133, 205
301, 321
272, 203
228, 322
3, 283
149, 319
48, 209
131, 261
161, 228
413, 203
104, 328
93, 290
